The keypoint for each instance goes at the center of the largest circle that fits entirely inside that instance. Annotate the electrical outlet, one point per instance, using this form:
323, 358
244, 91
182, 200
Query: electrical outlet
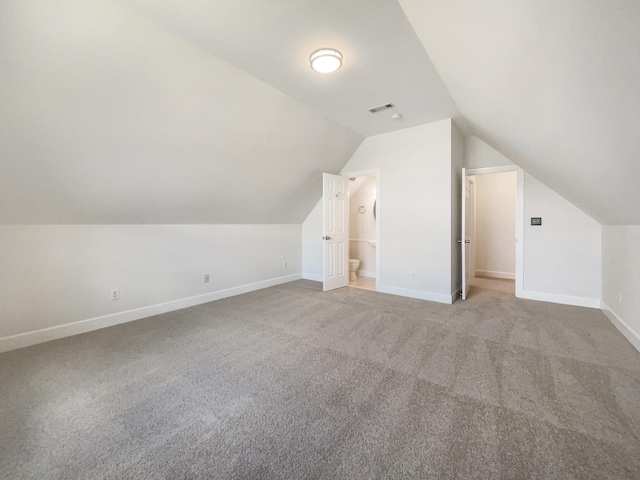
206, 278
115, 294
413, 275
284, 264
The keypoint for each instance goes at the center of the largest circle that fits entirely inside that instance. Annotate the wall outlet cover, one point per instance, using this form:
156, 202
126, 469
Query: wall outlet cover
536, 221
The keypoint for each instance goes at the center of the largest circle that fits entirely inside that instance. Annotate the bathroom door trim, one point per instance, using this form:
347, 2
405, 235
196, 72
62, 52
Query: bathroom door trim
364, 173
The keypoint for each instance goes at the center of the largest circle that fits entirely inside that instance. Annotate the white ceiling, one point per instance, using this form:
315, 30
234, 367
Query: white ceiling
553, 85
107, 118
272, 40
200, 111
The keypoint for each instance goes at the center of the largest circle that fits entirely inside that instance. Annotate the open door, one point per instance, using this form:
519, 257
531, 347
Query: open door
465, 238
335, 228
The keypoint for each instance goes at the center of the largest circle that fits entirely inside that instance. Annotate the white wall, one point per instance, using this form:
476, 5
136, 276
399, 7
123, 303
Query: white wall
312, 244
51, 276
495, 226
457, 162
621, 278
414, 211
362, 227
478, 154
562, 258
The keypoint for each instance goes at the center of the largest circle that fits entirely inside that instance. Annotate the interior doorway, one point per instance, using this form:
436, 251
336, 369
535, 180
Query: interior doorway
492, 253
363, 218
338, 209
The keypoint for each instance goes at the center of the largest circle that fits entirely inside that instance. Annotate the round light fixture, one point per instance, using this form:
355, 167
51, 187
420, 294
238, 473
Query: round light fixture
326, 60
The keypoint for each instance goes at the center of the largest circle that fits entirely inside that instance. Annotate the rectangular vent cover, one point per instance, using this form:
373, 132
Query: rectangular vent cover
381, 108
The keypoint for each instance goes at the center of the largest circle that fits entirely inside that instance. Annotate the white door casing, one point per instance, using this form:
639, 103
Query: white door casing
335, 231
465, 238
471, 227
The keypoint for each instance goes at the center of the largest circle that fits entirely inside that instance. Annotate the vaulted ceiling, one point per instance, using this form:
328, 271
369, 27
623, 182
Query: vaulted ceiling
384, 60
199, 111
553, 85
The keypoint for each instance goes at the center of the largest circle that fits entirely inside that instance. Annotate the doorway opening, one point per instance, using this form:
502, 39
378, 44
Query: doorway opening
363, 219
336, 213
491, 222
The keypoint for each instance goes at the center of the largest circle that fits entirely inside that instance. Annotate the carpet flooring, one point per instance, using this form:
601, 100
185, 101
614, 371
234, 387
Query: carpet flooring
290, 382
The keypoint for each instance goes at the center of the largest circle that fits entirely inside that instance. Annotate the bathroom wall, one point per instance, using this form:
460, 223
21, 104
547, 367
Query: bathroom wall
415, 208
415, 200
362, 227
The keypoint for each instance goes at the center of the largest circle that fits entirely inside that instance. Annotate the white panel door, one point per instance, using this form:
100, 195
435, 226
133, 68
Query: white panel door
335, 231
465, 238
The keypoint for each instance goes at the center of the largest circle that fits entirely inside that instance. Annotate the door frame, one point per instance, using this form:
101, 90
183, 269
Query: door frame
364, 173
519, 216
465, 243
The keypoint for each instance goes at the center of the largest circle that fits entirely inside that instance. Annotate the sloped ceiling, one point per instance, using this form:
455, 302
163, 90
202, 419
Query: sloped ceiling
110, 115
272, 40
106, 117
553, 85
199, 111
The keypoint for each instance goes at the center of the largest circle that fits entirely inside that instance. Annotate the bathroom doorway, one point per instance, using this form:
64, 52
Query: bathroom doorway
363, 230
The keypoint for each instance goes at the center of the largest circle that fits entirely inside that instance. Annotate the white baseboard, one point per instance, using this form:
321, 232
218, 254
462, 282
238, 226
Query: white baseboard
420, 294
66, 330
562, 299
365, 273
490, 274
622, 326
316, 277
456, 295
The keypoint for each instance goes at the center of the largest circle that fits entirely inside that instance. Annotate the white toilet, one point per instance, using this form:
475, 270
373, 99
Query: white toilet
354, 264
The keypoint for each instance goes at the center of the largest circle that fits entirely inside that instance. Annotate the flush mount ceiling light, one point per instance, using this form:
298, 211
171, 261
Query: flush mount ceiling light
326, 60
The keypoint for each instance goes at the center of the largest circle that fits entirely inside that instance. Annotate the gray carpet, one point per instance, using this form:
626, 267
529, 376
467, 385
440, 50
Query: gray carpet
291, 382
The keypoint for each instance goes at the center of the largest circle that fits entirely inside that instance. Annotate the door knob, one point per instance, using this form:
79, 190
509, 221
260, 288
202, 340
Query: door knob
326, 237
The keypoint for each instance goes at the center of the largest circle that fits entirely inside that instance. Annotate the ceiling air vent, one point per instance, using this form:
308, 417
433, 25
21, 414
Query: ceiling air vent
381, 108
